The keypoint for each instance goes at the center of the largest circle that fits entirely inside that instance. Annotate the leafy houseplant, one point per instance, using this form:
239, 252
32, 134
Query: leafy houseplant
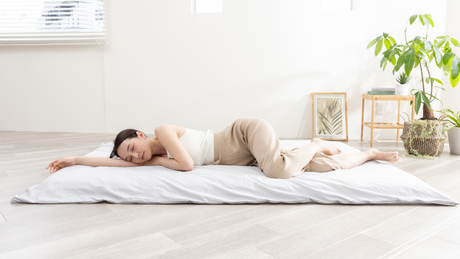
403, 78
452, 126
402, 88
423, 137
420, 52
453, 118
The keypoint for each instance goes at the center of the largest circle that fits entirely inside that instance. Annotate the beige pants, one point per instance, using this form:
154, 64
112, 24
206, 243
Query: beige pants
251, 142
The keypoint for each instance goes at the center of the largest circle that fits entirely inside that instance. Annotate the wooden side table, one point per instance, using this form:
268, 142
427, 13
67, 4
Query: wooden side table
385, 125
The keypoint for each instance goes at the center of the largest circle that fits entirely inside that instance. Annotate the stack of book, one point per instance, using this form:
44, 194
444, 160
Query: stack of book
382, 90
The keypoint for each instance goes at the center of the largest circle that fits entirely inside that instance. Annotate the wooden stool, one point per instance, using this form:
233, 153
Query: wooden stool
385, 125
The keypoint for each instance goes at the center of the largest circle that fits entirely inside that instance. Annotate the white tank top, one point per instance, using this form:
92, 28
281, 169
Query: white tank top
199, 145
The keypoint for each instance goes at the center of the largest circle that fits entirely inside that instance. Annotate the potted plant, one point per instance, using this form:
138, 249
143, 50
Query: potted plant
425, 136
402, 88
453, 129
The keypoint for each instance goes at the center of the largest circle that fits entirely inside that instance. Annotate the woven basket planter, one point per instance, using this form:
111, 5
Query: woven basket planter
424, 137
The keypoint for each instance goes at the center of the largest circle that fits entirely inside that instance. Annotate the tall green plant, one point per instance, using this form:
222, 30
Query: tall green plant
420, 52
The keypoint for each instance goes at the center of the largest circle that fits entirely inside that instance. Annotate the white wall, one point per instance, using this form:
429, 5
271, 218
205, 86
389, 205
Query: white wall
451, 96
163, 64
53, 89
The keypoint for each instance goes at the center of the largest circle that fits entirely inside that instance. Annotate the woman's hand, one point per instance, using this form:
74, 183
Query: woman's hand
60, 163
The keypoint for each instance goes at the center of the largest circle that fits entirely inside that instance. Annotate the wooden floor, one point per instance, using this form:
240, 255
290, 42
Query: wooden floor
217, 231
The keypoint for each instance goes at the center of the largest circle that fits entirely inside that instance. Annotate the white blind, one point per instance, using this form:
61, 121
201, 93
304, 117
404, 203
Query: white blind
33, 22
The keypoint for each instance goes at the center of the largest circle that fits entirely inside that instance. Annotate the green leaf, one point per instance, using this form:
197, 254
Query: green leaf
416, 62
387, 43
434, 79
447, 57
424, 55
426, 101
412, 18
417, 38
455, 42
378, 47
437, 54
440, 43
393, 60
393, 40
454, 82
385, 64
441, 37
385, 35
418, 102
382, 61
409, 63
400, 62
430, 19
372, 43
437, 86
446, 68
392, 54
434, 97
422, 19
428, 45
455, 67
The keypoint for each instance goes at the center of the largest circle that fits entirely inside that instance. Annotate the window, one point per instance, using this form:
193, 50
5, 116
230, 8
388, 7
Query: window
340, 5
207, 6
34, 22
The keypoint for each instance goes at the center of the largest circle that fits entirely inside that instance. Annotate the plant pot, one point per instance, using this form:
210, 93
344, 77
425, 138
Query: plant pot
424, 137
454, 140
402, 89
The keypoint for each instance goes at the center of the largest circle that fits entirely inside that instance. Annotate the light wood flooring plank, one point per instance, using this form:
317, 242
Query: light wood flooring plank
98, 245
317, 237
448, 183
450, 233
74, 138
207, 229
19, 184
432, 248
356, 247
135, 223
2, 218
139, 222
3, 175
252, 253
69, 151
455, 194
433, 173
6, 147
312, 215
28, 171
413, 224
225, 244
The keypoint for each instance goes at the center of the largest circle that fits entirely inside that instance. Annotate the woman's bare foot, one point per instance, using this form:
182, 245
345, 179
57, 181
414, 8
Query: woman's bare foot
325, 147
385, 156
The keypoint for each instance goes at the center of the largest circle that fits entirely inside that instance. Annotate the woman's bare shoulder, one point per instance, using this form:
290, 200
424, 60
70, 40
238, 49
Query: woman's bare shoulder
168, 129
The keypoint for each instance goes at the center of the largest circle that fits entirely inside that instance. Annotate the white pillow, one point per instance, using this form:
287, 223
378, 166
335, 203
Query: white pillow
371, 183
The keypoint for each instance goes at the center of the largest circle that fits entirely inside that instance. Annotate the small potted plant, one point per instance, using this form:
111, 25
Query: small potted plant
402, 88
452, 126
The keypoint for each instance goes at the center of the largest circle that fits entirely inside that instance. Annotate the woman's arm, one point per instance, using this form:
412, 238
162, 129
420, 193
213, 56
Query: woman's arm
168, 136
90, 161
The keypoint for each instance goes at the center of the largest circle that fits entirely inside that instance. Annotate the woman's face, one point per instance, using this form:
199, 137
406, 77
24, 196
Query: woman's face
135, 150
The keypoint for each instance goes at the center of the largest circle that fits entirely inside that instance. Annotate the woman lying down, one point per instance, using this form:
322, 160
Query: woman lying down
246, 142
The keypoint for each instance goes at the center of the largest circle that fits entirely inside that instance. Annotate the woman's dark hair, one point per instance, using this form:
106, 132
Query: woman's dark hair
124, 134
